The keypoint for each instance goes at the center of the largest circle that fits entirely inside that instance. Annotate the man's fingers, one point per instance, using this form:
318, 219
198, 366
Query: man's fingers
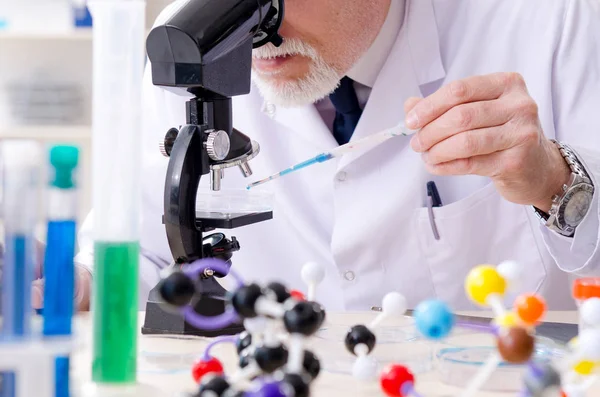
471, 89
83, 288
82, 293
485, 165
40, 250
464, 117
468, 144
37, 294
411, 103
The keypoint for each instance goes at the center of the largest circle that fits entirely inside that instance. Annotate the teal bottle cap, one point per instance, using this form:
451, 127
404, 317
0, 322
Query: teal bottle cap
64, 159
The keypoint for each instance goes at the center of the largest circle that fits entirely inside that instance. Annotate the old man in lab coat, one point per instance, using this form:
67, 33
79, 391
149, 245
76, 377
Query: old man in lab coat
505, 95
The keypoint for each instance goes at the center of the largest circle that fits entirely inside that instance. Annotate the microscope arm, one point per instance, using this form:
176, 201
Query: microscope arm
187, 163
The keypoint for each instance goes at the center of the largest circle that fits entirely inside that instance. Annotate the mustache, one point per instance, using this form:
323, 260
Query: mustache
289, 47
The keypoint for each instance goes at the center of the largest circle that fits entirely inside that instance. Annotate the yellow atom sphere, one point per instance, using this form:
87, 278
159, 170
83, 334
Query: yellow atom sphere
573, 343
585, 367
506, 320
482, 281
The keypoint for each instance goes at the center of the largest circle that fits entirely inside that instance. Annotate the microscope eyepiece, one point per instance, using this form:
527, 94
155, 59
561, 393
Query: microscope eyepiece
208, 44
269, 29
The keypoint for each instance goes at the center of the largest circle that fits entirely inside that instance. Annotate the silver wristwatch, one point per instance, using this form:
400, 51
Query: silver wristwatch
570, 207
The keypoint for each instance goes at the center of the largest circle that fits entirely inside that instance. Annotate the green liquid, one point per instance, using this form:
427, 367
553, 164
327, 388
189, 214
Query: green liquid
115, 312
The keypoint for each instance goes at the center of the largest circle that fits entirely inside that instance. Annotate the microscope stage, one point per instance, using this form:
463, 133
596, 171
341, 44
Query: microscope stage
230, 220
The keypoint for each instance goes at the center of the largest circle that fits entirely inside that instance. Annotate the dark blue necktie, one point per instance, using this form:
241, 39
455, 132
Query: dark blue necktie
347, 110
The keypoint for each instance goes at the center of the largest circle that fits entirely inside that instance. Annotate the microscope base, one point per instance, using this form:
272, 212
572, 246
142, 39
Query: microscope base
160, 322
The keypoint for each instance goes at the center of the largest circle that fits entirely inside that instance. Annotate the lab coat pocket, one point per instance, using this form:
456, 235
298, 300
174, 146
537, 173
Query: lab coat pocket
482, 228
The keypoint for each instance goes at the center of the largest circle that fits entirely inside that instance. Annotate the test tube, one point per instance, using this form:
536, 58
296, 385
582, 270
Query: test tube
21, 170
118, 62
59, 269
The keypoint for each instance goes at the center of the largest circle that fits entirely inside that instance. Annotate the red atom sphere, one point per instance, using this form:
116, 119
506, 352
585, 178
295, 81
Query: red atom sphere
297, 295
393, 377
201, 368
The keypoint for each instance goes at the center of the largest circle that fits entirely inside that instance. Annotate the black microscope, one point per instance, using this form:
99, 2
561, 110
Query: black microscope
206, 49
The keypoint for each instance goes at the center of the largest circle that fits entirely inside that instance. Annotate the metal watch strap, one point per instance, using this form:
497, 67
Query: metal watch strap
571, 159
577, 169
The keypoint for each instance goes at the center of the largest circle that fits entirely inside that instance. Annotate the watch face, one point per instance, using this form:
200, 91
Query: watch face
577, 207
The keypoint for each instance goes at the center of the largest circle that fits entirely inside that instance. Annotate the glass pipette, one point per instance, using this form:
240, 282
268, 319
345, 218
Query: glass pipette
371, 140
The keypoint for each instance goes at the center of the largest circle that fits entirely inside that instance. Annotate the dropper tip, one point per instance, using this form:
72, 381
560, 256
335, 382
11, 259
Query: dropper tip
255, 184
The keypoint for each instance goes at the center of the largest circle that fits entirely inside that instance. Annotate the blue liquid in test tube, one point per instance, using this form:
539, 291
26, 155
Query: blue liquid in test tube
59, 269
21, 170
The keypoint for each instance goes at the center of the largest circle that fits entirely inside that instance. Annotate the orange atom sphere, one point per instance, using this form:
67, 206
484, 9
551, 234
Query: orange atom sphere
530, 308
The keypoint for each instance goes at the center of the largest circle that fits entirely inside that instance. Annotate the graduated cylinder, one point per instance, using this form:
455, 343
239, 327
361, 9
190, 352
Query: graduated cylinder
119, 36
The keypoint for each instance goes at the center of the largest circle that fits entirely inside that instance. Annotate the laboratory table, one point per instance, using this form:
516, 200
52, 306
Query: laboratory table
165, 362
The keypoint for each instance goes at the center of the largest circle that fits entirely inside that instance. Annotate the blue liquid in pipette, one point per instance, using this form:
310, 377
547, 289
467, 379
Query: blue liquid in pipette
317, 159
17, 276
59, 291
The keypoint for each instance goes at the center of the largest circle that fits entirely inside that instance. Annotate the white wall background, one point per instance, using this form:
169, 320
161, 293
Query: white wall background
45, 80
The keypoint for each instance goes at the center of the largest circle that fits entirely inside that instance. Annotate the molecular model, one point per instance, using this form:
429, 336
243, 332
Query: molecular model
514, 330
274, 361
515, 335
581, 367
272, 356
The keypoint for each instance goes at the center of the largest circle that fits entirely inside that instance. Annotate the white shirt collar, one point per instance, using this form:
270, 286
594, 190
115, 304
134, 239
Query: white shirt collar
366, 70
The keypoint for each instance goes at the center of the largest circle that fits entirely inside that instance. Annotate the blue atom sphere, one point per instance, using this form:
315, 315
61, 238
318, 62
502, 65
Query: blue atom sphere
271, 390
434, 319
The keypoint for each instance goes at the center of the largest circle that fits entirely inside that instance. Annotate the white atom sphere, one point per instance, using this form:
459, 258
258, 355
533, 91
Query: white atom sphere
394, 304
164, 273
590, 312
572, 391
510, 270
589, 344
365, 368
313, 273
255, 325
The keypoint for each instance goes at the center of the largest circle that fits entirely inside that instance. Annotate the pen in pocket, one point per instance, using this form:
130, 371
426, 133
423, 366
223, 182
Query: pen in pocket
433, 200
434, 194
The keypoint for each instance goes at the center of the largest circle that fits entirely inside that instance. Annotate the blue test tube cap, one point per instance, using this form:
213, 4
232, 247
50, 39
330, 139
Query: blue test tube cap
434, 319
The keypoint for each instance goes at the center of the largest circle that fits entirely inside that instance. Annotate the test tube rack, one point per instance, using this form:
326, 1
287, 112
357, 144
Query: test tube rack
33, 363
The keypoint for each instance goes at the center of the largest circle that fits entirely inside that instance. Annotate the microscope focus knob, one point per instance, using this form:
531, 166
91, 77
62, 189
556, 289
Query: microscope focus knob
217, 145
166, 145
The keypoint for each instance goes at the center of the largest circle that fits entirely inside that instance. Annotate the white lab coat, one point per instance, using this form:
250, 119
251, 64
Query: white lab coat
364, 216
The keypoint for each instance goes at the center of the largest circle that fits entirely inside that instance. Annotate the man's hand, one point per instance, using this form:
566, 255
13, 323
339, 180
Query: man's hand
83, 283
83, 288
489, 126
